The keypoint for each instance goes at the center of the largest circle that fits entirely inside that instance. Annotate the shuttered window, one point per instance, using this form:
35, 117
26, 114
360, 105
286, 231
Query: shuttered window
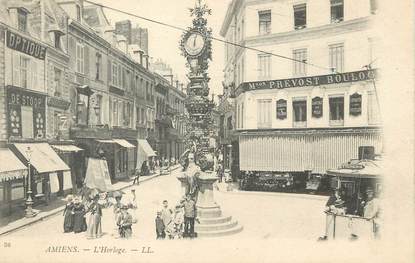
80, 55
264, 22
299, 63
336, 55
264, 112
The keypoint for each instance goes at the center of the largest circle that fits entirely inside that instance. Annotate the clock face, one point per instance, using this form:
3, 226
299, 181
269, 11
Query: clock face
194, 44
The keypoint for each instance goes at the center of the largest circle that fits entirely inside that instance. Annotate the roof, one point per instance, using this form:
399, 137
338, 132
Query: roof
94, 16
359, 168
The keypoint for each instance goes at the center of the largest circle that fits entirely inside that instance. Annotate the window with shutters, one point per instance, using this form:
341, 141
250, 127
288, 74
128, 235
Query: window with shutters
336, 56
299, 62
264, 113
80, 58
264, 22
115, 77
24, 72
264, 66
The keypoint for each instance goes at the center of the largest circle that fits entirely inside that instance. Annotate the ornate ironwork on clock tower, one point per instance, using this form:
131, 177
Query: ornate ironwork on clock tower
197, 48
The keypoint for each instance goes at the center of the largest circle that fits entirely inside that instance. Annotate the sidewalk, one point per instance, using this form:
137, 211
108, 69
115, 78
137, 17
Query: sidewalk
17, 221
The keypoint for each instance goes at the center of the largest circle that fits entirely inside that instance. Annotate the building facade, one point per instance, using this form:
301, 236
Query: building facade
34, 103
313, 106
170, 120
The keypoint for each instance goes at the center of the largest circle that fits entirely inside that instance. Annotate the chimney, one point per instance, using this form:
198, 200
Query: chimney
146, 58
109, 35
122, 44
141, 57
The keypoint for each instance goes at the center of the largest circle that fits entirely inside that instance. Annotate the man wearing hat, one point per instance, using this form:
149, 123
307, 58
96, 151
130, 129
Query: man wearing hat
371, 210
124, 222
160, 227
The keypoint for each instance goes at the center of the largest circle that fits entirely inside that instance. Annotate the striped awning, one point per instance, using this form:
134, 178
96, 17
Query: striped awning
43, 158
11, 167
300, 151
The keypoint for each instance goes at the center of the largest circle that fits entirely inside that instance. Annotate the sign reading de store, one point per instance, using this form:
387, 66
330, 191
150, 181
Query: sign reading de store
308, 81
25, 45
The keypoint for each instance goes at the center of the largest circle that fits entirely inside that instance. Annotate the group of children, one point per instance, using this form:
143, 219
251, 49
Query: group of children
170, 223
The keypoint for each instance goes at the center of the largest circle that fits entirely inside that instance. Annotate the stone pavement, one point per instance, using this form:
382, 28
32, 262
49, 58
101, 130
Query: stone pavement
18, 221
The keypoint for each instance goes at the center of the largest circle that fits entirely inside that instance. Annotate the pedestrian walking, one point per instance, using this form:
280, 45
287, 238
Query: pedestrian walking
68, 214
333, 206
125, 222
94, 224
137, 173
160, 227
189, 217
79, 221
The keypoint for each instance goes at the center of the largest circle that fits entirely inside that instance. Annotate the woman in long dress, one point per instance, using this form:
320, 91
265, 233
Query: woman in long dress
79, 222
94, 223
68, 215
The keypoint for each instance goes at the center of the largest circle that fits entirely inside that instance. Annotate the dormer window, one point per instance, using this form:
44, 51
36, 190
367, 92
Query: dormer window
22, 20
78, 13
56, 34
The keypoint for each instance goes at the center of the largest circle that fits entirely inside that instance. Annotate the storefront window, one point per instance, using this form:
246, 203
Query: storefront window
336, 110
17, 190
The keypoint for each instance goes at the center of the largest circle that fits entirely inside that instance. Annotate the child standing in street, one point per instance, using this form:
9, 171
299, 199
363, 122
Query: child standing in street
160, 226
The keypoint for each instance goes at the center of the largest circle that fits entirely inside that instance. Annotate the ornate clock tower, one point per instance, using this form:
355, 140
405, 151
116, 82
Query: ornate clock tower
196, 47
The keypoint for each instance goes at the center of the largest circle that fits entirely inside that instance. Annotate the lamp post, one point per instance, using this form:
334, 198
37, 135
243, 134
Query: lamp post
29, 201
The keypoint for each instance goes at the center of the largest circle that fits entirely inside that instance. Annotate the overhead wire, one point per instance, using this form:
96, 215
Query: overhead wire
211, 37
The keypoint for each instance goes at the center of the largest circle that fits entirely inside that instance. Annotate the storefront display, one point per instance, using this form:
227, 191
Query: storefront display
26, 113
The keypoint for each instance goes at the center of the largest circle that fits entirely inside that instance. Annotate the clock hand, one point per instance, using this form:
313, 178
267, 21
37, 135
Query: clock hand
194, 41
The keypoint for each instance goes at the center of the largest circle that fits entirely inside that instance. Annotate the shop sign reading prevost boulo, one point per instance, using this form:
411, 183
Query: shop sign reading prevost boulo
311, 81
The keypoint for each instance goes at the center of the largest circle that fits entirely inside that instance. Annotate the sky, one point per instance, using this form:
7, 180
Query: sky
163, 41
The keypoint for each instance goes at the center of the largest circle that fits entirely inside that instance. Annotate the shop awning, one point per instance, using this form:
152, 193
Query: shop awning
146, 148
120, 142
144, 151
106, 141
97, 175
43, 158
124, 143
67, 148
11, 167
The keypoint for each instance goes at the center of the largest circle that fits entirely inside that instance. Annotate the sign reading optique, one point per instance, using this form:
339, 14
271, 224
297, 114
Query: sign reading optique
25, 45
